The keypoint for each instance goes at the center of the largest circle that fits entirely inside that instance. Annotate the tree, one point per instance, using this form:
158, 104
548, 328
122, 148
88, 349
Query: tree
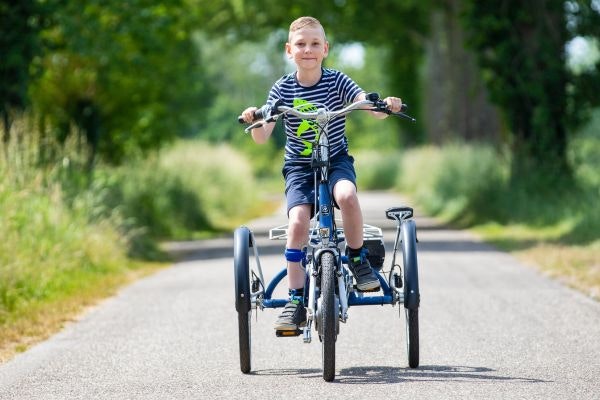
521, 52
455, 96
124, 75
18, 46
399, 26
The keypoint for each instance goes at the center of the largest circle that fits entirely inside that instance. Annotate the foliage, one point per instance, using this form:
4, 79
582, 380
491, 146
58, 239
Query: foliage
376, 170
470, 185
43, 243
521, 51
460, 182
183, 192
18, 45
124, 74
399, 27
220, 177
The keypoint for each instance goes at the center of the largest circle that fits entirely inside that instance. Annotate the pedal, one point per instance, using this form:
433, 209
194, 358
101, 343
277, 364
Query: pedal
377, 289
296, 332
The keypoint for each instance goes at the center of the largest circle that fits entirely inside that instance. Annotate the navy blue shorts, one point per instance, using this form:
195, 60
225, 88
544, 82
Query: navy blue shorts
300, 184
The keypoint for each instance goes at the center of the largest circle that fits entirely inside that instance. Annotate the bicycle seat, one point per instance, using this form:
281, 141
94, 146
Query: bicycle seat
399, 213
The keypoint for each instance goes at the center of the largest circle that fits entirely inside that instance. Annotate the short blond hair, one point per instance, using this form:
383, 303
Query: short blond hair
303, 22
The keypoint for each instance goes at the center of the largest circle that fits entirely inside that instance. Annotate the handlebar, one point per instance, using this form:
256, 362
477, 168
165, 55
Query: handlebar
322, 115
258, 114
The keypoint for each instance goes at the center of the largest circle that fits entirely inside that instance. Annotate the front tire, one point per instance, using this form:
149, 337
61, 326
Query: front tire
329, 315
241, 266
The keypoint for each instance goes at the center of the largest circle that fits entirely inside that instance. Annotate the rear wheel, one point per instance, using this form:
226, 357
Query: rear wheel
241, 266
412, 336
329, 315
411, 291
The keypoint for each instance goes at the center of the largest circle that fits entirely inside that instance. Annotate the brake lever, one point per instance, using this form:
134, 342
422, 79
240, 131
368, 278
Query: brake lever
260, 123
381, 106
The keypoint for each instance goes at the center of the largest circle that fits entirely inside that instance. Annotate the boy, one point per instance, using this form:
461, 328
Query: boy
307, 46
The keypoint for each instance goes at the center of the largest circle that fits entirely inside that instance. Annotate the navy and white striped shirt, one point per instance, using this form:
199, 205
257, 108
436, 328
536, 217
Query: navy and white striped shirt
334, 90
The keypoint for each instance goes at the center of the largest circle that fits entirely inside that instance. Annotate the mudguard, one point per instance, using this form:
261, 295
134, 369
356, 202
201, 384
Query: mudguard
411, 267
241, 268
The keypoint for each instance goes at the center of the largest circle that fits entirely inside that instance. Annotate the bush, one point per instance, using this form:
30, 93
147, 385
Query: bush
459, 182
377, 170
45, 245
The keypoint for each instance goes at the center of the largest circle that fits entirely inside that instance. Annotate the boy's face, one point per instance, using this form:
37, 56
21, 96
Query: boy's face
307, 47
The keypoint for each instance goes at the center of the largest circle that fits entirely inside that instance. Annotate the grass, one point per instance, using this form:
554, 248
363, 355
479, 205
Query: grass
576, 265
68, 240
37, 319
555, 230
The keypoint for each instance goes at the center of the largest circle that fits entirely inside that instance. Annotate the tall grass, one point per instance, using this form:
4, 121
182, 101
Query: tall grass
556, 228
64, 231
377, 170
459, 182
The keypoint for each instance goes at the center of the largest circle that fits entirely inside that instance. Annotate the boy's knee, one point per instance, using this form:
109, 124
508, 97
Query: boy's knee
346, 198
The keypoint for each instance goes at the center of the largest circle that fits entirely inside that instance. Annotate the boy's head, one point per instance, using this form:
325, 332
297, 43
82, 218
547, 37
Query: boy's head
305, 22
307, 45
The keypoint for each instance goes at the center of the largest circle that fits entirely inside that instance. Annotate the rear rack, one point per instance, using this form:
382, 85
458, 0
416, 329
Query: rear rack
369, 232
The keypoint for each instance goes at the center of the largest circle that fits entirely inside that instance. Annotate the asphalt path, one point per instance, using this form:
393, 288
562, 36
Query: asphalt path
491, 328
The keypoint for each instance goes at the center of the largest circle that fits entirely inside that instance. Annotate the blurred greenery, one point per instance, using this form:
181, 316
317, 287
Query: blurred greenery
62, 231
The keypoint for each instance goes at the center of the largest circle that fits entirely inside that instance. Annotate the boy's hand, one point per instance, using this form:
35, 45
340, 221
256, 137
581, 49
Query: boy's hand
394, 103
248, 114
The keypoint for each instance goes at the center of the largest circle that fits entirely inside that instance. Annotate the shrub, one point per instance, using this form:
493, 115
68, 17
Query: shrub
377, 170
460, 182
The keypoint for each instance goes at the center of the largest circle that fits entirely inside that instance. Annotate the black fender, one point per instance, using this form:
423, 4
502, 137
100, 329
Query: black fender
412, 296
242, 241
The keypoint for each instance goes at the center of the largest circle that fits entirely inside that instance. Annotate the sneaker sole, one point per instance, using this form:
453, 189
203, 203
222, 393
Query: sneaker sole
369, 287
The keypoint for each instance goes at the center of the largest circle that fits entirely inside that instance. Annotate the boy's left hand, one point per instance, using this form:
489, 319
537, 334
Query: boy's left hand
394, 103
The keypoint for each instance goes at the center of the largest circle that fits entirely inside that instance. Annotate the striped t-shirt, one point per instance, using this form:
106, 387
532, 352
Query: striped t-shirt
334, 90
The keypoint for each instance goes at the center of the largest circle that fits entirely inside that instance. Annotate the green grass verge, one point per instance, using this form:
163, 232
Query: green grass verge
555, 229
68, 239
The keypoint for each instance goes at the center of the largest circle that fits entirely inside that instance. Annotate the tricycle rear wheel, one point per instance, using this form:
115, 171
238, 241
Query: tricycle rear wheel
412, 336
243, 306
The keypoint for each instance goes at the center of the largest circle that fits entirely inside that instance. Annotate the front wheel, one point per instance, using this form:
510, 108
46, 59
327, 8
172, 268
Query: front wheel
329, 314
241, 267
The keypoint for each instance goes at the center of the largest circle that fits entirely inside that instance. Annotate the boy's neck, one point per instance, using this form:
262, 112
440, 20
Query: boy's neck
308, 78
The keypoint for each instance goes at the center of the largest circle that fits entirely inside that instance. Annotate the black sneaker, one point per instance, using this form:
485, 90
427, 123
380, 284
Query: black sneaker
366, 280
293, 316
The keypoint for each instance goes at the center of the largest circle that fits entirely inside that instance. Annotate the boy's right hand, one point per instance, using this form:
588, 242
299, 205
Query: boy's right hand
248, 114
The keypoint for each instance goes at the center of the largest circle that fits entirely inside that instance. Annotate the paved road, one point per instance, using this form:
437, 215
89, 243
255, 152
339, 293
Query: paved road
490, 328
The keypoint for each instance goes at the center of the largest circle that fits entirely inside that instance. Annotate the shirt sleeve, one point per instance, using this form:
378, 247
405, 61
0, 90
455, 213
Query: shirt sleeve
348, 89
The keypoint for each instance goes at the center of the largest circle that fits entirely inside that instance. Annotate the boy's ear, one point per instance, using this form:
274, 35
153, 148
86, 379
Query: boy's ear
288, 50
326, 49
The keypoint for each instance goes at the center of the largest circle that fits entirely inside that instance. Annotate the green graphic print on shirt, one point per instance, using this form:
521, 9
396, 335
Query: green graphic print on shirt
306, 125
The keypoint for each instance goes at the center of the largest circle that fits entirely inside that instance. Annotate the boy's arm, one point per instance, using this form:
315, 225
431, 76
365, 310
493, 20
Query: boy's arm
261, 134
394, 104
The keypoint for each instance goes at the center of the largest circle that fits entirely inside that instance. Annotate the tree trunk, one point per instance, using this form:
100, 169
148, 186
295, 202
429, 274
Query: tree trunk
457, 105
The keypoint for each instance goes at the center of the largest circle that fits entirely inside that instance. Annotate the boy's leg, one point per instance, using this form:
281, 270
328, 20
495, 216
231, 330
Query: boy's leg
345, 196
298, 226
344, 193
293, 315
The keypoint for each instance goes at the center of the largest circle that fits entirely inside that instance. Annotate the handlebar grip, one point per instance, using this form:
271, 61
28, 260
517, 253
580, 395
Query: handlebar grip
258, 114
